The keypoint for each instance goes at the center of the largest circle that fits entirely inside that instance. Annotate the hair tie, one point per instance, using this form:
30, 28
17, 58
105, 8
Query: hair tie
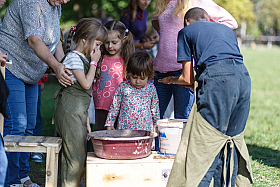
74, 28
126, 32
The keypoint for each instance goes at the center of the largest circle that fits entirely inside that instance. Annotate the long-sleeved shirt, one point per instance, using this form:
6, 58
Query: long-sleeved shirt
138, 109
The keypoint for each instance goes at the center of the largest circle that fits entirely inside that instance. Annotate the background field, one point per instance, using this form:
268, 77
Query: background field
262, 133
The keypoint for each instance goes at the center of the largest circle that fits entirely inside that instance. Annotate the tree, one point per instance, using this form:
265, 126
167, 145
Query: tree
268, 16
239, 9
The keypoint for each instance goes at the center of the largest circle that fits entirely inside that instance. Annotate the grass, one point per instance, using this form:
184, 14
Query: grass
262, 133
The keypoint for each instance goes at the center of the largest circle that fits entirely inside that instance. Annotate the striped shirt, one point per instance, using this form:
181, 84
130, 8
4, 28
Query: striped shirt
73, 61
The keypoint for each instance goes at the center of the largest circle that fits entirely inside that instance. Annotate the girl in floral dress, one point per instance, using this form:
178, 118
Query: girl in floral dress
136, 101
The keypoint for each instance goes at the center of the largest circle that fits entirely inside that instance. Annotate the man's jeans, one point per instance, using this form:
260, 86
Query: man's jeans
22, 111
223, 99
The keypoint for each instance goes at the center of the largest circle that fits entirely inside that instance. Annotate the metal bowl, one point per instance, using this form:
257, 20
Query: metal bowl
122, 144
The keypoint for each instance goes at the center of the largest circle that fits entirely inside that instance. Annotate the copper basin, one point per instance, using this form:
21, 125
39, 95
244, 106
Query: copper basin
122, 144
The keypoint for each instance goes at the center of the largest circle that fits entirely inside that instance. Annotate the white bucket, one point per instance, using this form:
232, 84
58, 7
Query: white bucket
170, 132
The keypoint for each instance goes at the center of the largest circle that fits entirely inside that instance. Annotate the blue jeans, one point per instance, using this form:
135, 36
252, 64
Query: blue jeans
39, 121
3, 163
223, 99
22, 112
183, 97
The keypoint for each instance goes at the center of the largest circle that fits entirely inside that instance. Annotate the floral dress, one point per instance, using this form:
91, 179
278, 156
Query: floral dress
137, 108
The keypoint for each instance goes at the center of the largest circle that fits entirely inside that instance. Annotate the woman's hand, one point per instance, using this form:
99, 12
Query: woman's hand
3, 59
61, 75
149, 44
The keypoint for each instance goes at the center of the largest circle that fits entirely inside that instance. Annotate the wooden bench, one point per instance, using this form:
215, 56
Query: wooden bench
49, 145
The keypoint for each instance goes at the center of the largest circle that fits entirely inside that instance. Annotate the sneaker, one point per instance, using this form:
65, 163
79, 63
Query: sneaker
37, 157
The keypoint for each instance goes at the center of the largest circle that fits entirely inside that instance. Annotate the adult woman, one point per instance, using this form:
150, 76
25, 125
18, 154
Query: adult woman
135, 17
30, 36
168, 20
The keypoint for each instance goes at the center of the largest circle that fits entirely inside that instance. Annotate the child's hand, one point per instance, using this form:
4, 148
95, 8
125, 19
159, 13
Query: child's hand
88, 128
95, 54
110, 128
153, 38
156, 129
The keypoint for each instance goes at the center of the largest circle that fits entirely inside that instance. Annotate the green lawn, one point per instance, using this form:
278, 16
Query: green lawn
262, 133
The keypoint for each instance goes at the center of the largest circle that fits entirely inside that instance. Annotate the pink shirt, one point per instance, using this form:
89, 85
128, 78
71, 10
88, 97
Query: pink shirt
105, 87
166, 59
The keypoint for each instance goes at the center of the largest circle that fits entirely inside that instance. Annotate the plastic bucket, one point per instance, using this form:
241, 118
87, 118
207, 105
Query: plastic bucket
170, 133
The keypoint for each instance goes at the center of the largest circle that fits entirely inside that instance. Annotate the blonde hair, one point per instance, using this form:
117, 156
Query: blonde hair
182, 6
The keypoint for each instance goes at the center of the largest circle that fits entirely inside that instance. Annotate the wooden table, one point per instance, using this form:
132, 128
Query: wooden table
49, 145
150, 171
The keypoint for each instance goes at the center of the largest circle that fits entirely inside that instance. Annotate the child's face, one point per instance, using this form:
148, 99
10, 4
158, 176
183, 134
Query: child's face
92, 46
113, 44
138, 81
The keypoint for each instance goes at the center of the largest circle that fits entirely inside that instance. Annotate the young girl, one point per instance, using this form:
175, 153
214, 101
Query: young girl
72, 102
136, 101
118, 48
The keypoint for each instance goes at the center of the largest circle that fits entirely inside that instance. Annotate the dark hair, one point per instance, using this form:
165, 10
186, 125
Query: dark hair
89, 29
196, 14
130, 10
141, 64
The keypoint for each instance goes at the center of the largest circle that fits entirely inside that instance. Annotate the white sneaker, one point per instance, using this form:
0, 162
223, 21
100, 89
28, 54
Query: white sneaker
37, 157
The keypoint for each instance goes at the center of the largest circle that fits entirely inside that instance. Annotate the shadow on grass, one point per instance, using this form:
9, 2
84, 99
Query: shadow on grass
264, 155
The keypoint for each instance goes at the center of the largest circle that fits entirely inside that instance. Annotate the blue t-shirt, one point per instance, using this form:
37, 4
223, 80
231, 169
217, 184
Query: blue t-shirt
139, 26
208, 42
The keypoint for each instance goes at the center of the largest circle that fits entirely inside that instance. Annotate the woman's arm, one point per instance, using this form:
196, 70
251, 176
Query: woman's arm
218, 14
59, 53
3, 59
41, 50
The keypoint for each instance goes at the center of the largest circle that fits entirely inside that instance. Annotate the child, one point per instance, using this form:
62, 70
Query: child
72, 102
136, 101
118, 48
219, 115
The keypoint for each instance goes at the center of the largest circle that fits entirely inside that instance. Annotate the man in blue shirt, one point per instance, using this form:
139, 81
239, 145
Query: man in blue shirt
224, 85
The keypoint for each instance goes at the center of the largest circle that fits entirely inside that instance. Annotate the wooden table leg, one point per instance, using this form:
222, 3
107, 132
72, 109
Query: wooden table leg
51, 167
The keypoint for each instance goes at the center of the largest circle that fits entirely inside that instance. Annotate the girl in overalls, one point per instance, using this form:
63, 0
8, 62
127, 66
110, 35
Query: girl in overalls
72, 102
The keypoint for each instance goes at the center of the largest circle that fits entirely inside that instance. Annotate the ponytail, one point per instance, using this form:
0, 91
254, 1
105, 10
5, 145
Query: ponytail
69, 39
127, 47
